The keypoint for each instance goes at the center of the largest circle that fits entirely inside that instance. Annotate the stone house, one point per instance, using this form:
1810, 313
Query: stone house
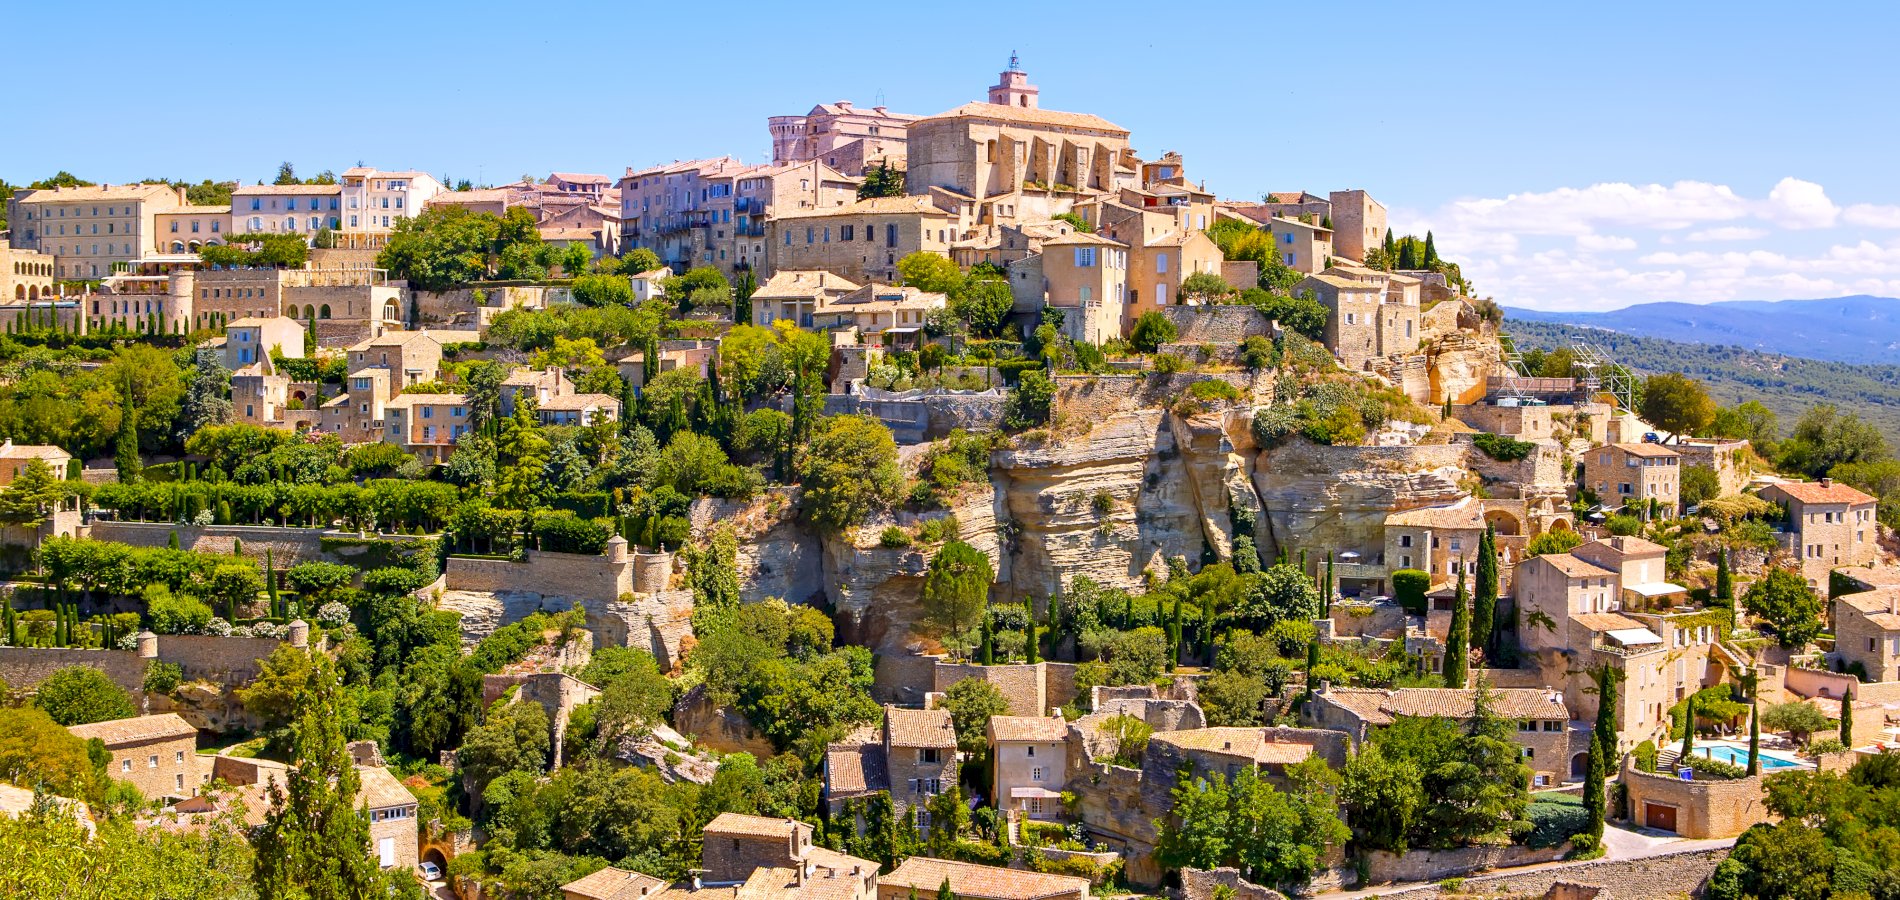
1524, 421
537, 385
87, 230
842, 135
861, 241
1028, 764
393, 826
412, 357
1352, 316
249, 340
1305, 247
877, 309
913, 756
665, 208
1623, 474
375, 200
612, 883
299, 209
1727, 459
426, 425
1228, 750
1867, 632
1540, 720
579, 409
158, 754
741, 201
1359, 223
26, 275
1830, 525
923, 876
260, 396
680, 354
1086, 276
793, 295
745, 858
1441, 539
15, 457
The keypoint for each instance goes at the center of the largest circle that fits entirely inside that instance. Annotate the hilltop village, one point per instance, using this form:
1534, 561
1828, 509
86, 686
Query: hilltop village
966, 505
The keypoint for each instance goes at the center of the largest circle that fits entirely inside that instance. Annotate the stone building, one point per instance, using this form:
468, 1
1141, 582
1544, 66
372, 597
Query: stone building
1728, 459
393, 826
427, 425
1013, 159
1867, 632
1028, 764
924, 876
792, 295
1624, 474
842, 136
1086, 276
1359, 223
1303, 246
374, 201
299, 209
1540, 720
741, 202
878, 309
861, 241
188, 229
1352, 316
90, 230
1698, 809
1164, 248
14, 459
1829, 525
666, 208
913, 756
251, 339
579, 409
25, 275
157, 754
745, 858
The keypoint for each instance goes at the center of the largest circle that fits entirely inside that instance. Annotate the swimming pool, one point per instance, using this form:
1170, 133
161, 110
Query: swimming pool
1738, 757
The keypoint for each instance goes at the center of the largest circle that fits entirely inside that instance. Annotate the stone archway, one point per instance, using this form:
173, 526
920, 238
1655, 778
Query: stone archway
1559, 524
1504, 521
1579, 765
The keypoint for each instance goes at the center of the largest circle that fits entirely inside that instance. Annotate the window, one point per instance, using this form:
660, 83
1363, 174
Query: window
1527, 725
125, 765
929, 755
1528, 754
1030, 751
1553, 725
1035, 774
179, 780
151, 762
1084, 257
1161, 263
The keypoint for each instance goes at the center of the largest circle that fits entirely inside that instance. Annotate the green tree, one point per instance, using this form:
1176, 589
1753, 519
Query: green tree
850, 468
881, 181
1824, 437
1457, 640
1786, 861
305, 846
1281, 593
702, 287
32, 496
1847, 718
1385, 796
1688, 728
930, 272
1799, 719
1677, 403
971, 703
983, 303
714, 574
1603, 741
514, 739
79, 695
639, 260
37, 752
1699, 483
1484, 604
1151, 331
955, 594
441, 247
126, 446
602, 290
1724, 581
1786, 606
1031, 402
1562, 540
1204, 286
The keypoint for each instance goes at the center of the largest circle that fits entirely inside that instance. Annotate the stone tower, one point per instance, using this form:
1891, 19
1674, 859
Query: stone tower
1012, 88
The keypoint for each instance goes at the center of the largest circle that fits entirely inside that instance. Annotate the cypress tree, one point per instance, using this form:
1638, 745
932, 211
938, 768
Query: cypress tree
1207, 629
313, 817
1174, 634
987, 652
126, 445
1484, 606
270, 584
1724, 582
1431, 251
1326, 594
1603, 742
1032, 652
1391, 247
1458, 640
1847, 718
1688, 728
944, 892
1754, 734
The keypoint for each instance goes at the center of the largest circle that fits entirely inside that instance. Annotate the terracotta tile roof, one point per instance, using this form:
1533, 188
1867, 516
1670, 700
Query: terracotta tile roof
802, 285
612, 884
1624, 546
577, 178
1606, 621
1572, 566
381, 789
855, 768
1366, 703
1816, 492
1653, 451
1295, 223
578, 402
753, 826
1082, 238
880, 297
919, 727
139, 729
915, 204
1456, 703
1885, 621
1294, 197
1344, 284
1021, 115
101, 192
1467, 513
1248, 742
1028, 728
283, 189
1874, 577
1878, 600
969, 880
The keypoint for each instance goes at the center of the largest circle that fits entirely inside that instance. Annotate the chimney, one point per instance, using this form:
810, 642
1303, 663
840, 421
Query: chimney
1826, 481
844, 105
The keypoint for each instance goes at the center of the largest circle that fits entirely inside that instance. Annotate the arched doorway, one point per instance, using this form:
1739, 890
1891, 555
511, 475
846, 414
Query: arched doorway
1579, 765
1503, 521
392, 311
324, 312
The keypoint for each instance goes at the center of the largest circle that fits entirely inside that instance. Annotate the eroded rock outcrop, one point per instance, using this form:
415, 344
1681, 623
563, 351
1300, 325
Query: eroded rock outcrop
1331, 499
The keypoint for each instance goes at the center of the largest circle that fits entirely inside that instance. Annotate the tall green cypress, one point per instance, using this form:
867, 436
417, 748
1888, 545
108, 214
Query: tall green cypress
1484, 606
1847, 718
1174, 634
987, 651
313, 816
1688, 728
126, 444
1754, 734
270, 584
1208, 613
1431, 251
1724, 582
1032, 652
1603, 741
1458, 640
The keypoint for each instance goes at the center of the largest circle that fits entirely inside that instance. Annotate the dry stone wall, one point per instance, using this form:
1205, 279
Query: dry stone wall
1680, 874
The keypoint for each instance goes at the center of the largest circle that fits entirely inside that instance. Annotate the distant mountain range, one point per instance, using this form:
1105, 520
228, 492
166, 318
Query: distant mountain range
1859, 329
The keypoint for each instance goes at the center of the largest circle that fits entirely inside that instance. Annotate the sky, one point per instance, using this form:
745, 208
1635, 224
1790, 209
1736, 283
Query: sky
1569, 157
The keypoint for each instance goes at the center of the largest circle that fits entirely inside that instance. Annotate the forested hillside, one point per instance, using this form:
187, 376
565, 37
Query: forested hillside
1786, 384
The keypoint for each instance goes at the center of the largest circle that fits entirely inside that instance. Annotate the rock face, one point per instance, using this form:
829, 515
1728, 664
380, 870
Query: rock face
1328, 499
1107, 505
779, 556
875, 589
718, 728
208, 707
657, 623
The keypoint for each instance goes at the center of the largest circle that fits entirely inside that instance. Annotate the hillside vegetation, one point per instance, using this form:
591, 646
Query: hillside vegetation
1788, 385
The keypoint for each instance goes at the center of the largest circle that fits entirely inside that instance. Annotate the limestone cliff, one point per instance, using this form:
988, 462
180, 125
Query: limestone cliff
1330, 499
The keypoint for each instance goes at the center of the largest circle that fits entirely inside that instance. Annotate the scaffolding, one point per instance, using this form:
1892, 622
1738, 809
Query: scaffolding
1598, 373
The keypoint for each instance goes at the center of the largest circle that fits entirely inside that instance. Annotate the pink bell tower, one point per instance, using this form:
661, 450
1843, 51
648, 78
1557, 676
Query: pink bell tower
1012, 88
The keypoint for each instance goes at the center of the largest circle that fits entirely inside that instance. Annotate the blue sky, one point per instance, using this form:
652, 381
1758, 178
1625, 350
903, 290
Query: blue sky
1570, 157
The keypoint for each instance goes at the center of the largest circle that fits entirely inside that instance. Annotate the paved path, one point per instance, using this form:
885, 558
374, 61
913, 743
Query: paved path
1618, 843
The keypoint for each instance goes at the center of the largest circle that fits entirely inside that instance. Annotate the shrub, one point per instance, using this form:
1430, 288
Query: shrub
1169, 363
1272, 425
394, 580
1559, 541
163, 677
1502, 448
1704, 767
1151, 331
1554, 818
564, 532
1645, 754
893, 537
1409, 587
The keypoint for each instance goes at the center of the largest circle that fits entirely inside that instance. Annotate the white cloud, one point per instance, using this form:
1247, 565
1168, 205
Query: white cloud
1800, 204
1872, 215
1728, 233
1604, 242
1574, 211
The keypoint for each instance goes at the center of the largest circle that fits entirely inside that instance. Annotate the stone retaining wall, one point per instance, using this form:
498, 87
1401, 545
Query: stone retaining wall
1033, 689
288, 546
1096, 397
1704, 808
229, 661
1383, 867
1229, 324
572, 575
1680, 874
1199, 884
